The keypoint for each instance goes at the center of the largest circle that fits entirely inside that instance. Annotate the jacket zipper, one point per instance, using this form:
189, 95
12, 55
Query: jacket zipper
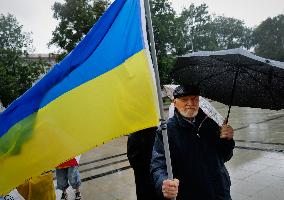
200, 126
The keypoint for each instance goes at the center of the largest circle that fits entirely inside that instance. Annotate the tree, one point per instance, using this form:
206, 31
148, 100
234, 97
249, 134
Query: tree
197, 30
16, 73
269, 38
76, 18
231, 33
166, 34
201, 31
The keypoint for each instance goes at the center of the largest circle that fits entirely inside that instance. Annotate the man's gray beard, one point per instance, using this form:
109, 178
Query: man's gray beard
184, 114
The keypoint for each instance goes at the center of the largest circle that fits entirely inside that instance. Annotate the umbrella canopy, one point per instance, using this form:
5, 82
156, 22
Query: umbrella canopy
234, 77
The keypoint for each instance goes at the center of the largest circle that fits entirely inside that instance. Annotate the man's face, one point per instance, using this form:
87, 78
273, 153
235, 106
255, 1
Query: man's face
187, 106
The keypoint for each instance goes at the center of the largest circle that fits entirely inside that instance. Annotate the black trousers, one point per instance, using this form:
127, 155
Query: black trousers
144, 187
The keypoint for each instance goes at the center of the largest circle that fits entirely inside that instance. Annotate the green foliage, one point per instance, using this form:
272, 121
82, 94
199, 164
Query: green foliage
231, 33
166, 35
202, 32
16, 73
76, 18
269, 38
197, 28
163, 17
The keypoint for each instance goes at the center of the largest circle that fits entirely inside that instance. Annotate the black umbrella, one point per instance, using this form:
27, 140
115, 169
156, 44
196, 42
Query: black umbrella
234, 77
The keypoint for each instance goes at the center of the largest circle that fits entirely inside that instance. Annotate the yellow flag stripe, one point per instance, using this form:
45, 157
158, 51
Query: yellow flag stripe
116, 103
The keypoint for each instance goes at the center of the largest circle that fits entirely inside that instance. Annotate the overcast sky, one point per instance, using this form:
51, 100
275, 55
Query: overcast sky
36, 15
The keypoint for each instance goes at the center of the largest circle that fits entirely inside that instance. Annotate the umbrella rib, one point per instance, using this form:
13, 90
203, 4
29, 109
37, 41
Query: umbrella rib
205, 64
267, 73
256, 80
213, 75
248, 66
180, 71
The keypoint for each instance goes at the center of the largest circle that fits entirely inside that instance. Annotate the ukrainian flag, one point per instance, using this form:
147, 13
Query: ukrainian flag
103, 89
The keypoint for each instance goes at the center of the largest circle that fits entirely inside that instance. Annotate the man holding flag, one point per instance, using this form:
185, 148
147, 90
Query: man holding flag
199, 149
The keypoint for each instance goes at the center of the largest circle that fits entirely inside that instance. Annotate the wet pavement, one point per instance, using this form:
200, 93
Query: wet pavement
256, 169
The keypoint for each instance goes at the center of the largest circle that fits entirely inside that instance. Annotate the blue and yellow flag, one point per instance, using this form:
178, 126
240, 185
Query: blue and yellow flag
103, 89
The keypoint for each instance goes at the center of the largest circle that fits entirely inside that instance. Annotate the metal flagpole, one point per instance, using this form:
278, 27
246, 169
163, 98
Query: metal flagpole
162, 114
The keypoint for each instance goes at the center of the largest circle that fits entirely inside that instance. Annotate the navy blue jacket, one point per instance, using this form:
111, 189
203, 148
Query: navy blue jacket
198, 155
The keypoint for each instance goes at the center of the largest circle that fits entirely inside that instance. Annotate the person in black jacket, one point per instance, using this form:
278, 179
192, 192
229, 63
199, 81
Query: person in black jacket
139, 153
198, 149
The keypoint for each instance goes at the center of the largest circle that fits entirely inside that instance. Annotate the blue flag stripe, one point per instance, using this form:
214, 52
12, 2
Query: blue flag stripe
75, 69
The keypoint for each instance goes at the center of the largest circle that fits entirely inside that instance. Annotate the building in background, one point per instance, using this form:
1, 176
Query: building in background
50, 59
1, 107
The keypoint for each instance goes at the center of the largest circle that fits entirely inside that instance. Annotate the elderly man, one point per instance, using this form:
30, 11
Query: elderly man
198, 147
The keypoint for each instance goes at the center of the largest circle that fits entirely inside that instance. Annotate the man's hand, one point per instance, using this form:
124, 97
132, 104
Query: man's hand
227, 132
170, 188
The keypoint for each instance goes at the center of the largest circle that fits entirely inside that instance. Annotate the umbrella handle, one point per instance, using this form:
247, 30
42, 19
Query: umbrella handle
232, 95
228, 115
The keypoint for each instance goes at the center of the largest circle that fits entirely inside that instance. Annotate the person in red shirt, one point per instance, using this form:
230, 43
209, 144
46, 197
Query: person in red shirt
68, 173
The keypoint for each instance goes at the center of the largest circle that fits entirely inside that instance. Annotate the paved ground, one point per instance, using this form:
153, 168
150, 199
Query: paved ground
257, 168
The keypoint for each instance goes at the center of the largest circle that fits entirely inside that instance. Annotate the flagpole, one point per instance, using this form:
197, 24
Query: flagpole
155, 63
